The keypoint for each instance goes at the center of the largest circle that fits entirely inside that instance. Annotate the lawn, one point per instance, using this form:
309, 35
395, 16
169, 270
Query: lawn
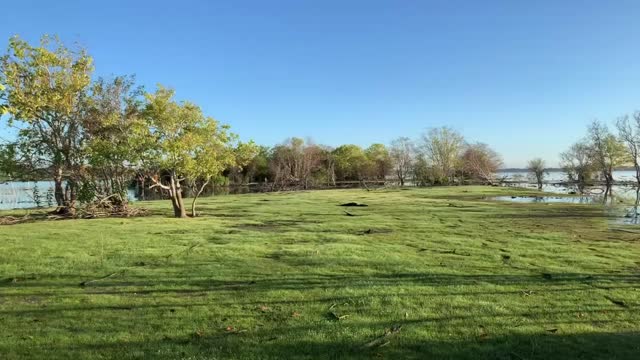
444, 272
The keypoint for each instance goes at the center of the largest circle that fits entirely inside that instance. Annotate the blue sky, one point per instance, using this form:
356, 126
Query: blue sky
524, 76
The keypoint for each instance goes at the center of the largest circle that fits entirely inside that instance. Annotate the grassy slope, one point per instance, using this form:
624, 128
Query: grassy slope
463, 276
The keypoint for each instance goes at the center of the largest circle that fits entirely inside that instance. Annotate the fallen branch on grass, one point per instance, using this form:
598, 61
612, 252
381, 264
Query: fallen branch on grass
183, 251
85, 283
383, 340
85, 213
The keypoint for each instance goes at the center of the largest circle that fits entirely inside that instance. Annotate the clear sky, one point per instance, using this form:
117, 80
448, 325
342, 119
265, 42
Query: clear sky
524, 76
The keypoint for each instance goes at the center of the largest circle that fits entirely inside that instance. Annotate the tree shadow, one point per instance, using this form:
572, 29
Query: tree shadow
406, 344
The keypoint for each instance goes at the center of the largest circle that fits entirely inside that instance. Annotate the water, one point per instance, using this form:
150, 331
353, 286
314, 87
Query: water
618, 213
618, 175
630, 216
619, 192
20, 194
549, 199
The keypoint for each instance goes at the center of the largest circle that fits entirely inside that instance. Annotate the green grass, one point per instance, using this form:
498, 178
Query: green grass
266, 276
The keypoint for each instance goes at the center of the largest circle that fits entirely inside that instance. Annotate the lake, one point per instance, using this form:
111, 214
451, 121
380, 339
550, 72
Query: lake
22, 194
618, 175
626, 193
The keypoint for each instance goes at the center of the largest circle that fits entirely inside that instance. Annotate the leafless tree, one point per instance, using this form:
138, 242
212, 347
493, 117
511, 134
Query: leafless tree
577, 164
537, 168
481, 162
295, 161
329, 164
629, 134
442, 148
402, 153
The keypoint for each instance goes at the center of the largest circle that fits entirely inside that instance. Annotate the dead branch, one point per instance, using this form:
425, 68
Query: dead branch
85, 283
383, 339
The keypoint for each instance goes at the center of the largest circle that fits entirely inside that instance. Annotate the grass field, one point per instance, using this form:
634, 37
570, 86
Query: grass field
445, 273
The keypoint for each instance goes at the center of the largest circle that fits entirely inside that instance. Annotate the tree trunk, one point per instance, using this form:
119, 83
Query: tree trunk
140, 184
71, 196
176, 198
195, 198
58, 189
66, 195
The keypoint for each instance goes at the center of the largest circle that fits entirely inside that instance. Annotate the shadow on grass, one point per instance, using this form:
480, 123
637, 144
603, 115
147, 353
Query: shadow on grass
343, 340
302, 282
407, 344
428, 284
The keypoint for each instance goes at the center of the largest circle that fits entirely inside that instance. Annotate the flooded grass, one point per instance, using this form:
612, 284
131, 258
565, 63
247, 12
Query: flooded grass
548, 199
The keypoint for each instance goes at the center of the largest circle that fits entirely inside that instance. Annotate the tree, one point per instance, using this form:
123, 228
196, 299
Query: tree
350, 162
423, 173
257, 170
577, 164
537, 168
606, 151
480, 162
45, 88
117, 136
189, 145
629, 134
402, 154
329, 165
4, 109
379, 160
9, 165
441, 148
295, 161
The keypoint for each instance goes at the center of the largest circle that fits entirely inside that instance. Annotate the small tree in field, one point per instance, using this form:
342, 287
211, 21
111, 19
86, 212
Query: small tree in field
537, 169
190, 146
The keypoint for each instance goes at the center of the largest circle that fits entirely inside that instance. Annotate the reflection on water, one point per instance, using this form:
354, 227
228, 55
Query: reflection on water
554, 176
632, 217
549, 199
615, 208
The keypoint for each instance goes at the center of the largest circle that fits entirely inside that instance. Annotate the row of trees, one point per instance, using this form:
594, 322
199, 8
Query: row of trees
91, 137
440, 156
602, 151
598, 154
94, 136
